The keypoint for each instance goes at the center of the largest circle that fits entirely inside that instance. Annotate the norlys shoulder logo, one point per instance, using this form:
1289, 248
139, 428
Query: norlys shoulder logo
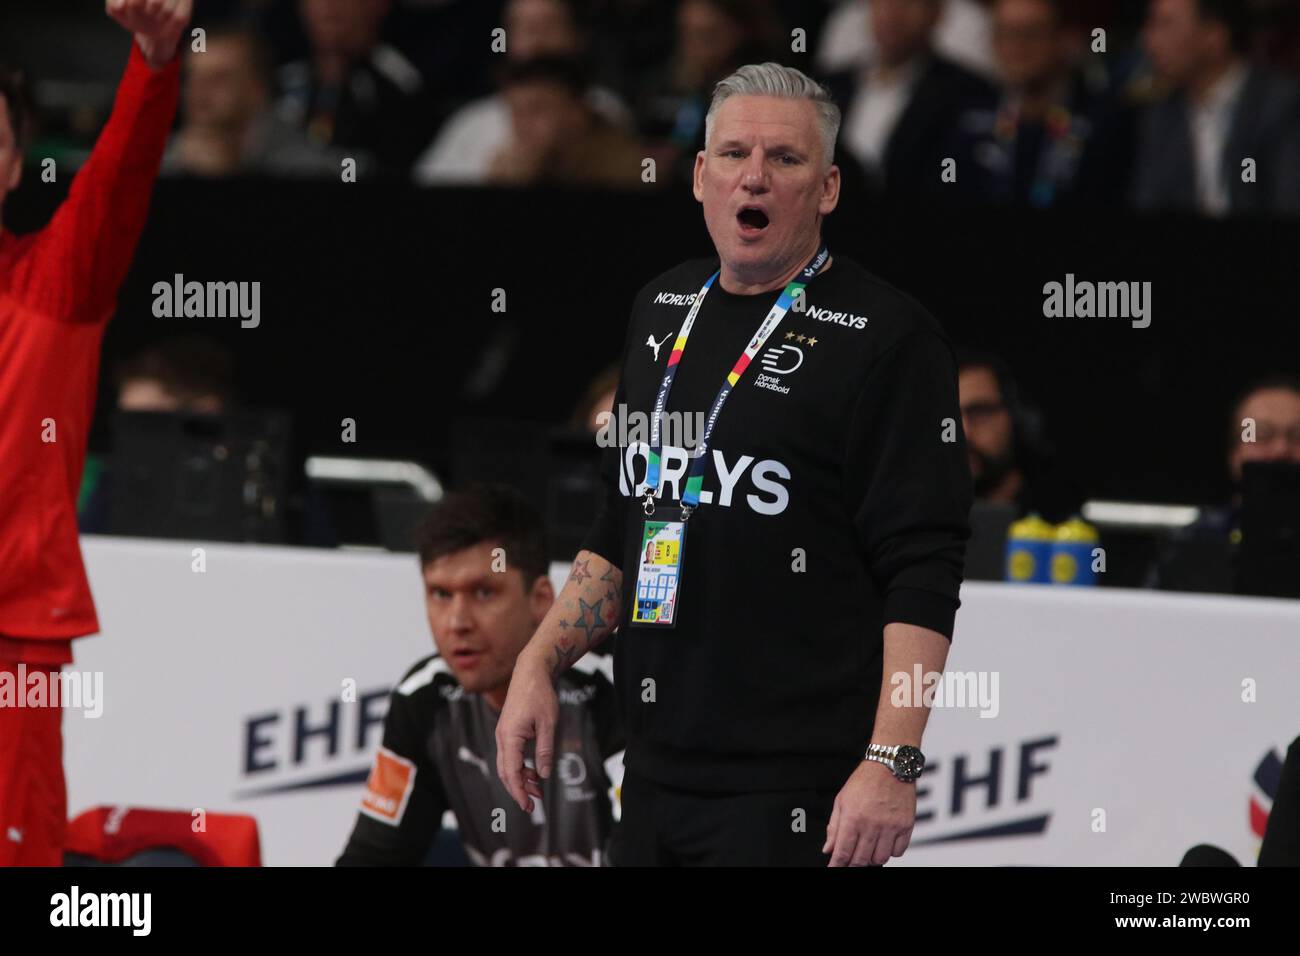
821, 314
675, 298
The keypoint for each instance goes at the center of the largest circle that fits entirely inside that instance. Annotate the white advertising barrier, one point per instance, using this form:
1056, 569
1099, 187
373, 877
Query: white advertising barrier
1130, 726
224, 689
1123, 727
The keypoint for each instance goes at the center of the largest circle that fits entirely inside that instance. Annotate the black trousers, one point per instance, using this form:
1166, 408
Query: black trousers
663, 826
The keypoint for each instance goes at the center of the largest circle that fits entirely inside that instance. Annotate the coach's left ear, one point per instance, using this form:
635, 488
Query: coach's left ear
830, 197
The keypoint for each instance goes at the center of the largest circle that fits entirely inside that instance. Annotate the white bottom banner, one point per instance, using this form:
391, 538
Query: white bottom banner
1072, 726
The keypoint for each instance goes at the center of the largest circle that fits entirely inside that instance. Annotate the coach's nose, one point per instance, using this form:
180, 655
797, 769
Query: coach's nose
755, 179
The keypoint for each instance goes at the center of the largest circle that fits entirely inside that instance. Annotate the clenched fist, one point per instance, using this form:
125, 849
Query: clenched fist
157, 25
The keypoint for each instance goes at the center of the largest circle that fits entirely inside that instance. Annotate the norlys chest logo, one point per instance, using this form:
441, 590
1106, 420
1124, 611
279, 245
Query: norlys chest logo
675, 298
822, 314
731, 480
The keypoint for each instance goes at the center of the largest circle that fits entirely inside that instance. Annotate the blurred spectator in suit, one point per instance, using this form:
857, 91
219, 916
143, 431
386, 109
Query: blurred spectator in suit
1009, 461
227, 125
900, 110
713, 38
964, 34
1045, 138
354, 92
474, 135
1221, 111
555, 136
1264, 426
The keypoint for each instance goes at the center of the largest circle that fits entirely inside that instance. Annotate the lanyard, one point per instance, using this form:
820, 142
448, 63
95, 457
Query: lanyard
1064, 134
695, 478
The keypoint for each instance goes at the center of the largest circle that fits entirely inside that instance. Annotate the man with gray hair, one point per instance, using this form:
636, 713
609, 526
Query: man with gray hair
770, 580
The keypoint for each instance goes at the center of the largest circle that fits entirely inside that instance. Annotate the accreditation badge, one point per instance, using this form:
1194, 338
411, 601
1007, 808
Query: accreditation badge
659, 569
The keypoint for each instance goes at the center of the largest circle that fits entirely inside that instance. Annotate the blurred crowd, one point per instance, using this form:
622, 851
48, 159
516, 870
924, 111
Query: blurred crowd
1191, 105
1184, 104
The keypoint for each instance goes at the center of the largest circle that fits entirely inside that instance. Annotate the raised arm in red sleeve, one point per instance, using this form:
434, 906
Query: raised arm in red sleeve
73, 268
57, 288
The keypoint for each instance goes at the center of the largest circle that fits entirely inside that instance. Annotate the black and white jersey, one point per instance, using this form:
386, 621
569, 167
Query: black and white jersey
439, 753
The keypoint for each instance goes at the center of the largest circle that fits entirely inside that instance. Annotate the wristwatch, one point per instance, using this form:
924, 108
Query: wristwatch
904, 760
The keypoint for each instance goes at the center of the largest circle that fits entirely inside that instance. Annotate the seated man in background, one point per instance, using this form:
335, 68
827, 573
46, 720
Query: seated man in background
1273, 406
227, 125
555, 135
1264, 427
463, 150
902, 105
483, 554
352, 91
1008, 465
188, 373
1046, 138
1221, 111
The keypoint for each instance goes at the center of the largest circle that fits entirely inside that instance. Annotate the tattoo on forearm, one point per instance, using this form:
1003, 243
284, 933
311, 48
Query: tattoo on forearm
580, 572
564, 654
587, 618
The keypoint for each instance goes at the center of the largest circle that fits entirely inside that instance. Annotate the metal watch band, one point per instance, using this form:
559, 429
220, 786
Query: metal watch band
887, 754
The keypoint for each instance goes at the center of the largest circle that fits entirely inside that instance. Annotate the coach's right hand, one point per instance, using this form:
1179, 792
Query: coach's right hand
530, 713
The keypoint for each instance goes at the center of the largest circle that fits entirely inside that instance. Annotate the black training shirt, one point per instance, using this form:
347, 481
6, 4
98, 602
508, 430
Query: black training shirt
836, 500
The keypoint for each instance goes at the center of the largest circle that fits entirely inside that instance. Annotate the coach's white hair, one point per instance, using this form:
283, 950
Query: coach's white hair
773, 79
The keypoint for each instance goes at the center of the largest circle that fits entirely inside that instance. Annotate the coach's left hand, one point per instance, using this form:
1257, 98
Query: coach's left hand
872, 819
156, 24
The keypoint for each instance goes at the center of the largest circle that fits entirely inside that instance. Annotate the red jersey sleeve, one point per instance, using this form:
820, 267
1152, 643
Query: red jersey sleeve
76, 264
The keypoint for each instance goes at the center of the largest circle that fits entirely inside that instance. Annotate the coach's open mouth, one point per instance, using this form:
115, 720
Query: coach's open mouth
752, 219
